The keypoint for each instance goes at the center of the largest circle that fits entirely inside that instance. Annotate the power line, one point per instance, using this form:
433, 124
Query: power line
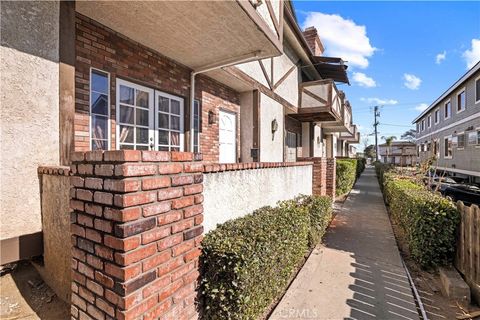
396, 125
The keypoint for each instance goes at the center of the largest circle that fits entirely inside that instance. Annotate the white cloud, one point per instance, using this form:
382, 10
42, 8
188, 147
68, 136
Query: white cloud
411, 81
342, 38
363, 80
378, 101
472, 56
440, 57
421, 107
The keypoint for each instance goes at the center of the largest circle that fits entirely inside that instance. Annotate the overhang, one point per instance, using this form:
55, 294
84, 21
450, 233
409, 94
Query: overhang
193, 33
351, 137
318, 101
331, 68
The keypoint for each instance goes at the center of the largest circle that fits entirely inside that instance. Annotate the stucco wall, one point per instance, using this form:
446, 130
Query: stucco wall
29, 117
56, 233
271, 146
317, 141
232, 194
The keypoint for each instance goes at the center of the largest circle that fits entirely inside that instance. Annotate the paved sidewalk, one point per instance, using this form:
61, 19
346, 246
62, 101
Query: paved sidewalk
358, 273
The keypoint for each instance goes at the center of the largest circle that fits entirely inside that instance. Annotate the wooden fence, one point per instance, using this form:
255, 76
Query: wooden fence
467, 259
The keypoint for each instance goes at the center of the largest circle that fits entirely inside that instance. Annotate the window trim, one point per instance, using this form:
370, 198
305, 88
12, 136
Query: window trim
477, 97
434, 116
429, 121
423, 124
459, 92
444, 106
156, 125
109, 128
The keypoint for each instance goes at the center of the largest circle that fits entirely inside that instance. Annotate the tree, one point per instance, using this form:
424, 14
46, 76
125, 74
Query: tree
388, 142
409, 135
369, 151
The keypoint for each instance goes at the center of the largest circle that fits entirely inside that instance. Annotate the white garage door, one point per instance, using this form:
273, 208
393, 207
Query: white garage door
227, 137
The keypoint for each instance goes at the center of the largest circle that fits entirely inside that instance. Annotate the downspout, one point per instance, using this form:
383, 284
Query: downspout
226, 63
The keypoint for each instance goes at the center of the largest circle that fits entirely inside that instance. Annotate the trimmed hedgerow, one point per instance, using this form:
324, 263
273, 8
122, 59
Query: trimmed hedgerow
345, 175
360, 166
247, 262
429, 220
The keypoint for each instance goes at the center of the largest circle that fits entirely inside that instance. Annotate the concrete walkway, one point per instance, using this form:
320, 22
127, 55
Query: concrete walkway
357, 273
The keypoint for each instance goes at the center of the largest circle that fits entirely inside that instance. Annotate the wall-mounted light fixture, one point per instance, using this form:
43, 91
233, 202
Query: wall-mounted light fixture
211, 117
274, 126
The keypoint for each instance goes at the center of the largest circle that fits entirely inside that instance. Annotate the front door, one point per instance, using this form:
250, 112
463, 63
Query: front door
227, 137
134, 116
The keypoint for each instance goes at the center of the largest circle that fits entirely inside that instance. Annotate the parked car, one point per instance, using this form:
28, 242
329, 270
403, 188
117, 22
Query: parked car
468, 193
438, 183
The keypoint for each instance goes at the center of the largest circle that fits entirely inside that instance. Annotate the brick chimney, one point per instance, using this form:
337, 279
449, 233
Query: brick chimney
313, 40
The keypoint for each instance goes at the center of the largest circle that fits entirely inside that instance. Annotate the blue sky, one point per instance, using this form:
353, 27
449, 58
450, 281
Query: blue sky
401, 55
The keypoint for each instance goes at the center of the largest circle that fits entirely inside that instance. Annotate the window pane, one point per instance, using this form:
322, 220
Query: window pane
142, 148
174, 123
99, 144
99, 103
99, 82
174, 138
142, 135
175, 107
142, 99
163, 121
163, 104
99, 127
126, 95
126, 114
142, 117
477, 88
126, 147
162, 137
126, 134
163, 148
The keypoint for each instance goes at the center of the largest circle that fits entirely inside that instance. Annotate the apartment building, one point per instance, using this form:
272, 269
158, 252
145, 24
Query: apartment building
236, 85
448, 131
401, 153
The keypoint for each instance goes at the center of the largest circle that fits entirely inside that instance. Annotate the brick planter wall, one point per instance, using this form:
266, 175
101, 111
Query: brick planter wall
136, 230
324, 175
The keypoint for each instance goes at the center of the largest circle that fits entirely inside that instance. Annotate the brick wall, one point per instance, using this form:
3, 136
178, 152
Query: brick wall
100, 47
331, 177
136, 230
324, 175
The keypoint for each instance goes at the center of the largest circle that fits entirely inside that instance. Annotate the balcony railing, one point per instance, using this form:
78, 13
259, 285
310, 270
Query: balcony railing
344, 124
319, 101
351, 137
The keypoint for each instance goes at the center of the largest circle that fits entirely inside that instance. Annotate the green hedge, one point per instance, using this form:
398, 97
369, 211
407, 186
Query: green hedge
360, 166
428, 219
346, 175
247, 262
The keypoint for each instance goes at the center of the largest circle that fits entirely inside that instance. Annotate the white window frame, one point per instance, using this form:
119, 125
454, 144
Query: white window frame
464, 140
182, 119
477, 129
449, 101
423, 125
445, 146
109, 129
429, 121
151, 108
436, 120
477, 97
459, 92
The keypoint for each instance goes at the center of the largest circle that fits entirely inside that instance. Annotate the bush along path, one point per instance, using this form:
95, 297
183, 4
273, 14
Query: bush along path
358, 272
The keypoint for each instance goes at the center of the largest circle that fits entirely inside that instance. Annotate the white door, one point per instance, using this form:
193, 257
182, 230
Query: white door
134, 116
227, 137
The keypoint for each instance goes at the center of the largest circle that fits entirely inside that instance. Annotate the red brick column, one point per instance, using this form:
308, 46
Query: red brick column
319, 183
331, 173
136, 231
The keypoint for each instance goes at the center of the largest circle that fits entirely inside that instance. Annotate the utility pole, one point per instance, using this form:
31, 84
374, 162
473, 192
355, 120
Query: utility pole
376, 114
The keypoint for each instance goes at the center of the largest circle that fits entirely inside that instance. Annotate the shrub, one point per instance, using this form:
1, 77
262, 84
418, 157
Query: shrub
429, 220
345, 175
360, 166
247, 262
